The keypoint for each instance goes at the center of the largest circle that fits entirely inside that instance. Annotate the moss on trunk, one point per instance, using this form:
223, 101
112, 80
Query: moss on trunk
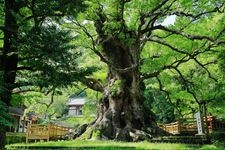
122, 115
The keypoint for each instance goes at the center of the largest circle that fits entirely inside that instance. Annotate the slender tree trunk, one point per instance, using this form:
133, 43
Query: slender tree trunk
2, 137
9, 59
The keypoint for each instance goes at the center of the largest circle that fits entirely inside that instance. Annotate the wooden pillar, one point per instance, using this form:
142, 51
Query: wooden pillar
17, 127
19, 124
206, 129
179, 126
48, 135
23, 125
27, 132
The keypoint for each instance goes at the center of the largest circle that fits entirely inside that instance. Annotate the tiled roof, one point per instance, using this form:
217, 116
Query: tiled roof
76, 101
32, 114
16, 111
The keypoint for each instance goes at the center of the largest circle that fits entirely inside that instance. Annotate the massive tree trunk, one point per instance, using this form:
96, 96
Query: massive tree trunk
9, 59
122, 115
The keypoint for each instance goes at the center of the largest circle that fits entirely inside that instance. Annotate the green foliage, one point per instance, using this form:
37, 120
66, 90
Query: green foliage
194, 77
217, 136
41, 104
46, 57
52, 60
5, 119
90, 107
12, 138
221, 57
96, 135
17, 100
157, 102
115, 87
77, 121
1, 82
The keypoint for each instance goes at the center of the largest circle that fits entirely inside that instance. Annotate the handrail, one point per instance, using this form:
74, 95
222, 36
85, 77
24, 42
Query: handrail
45, 132
190, 126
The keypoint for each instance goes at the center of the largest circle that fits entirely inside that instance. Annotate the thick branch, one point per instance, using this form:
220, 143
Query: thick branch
150, 75
196, 16
103, 59
173, 65
185, 81
188, 36
94, 49
203, 66
24, 68
92, 84
184, 59
168, 45
19, 90
153, 16
120, 15
166, 11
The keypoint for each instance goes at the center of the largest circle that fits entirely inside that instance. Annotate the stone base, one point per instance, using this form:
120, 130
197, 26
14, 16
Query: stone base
200, 135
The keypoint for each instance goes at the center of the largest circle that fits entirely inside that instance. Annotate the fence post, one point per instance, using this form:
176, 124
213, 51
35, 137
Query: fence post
49, 128
27, 133
179, 127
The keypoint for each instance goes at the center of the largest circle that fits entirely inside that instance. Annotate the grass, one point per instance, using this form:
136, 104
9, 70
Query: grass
110, 145
76, 121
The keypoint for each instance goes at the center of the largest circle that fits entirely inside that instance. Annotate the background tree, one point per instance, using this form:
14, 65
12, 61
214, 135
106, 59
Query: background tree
19, 19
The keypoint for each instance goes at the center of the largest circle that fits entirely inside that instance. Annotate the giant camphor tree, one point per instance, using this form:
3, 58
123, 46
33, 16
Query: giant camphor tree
136, 43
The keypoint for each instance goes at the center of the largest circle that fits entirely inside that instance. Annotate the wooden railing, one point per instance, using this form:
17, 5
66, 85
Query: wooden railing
189, 126
173, 128
178, 127
45, 132
217, 125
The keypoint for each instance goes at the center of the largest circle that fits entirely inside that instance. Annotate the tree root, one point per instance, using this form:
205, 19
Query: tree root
126, 134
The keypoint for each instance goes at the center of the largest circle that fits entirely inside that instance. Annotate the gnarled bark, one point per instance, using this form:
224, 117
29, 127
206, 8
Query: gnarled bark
122, 115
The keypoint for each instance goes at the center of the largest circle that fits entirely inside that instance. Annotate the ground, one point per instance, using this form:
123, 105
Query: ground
112, 145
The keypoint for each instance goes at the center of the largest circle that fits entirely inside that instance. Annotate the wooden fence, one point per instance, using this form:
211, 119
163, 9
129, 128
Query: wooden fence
179, 128
45, 132
190, 126
216, 125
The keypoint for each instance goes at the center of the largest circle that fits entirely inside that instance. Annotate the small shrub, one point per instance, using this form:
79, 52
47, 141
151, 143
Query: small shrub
218, 136
96, 134
12, 138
